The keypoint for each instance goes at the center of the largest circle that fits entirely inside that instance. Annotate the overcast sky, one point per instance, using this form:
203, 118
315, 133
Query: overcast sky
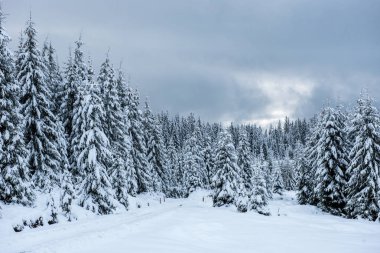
242, 61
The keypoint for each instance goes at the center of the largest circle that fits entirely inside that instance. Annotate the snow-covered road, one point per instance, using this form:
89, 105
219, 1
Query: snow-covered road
191, 225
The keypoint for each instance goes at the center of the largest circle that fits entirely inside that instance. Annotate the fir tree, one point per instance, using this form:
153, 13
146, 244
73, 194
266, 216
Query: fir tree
155, 147
278, 185
304, 179
141, 169
244, 160
192, 165
331, 164
96, 193
242, 199
307, 184
41, 137
53, 76
75, 74
209, 160
116, 130
126, 148
226, 181
258, 200
174, 171
15, 185
364, 183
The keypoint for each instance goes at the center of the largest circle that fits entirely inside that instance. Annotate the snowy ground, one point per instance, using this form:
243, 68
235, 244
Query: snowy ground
191, 225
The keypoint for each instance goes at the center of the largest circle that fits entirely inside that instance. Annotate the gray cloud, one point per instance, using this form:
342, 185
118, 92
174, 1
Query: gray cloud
212, 57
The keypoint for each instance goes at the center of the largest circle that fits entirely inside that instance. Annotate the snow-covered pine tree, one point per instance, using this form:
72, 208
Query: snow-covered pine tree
174, 171
363, 187
242, 199
332, 162
18, 55
258, 200
155, 148
226, 180
15, 185
244, 160
53, 76
142, 172
288, 173
96, 192
76, 73
192, 162
41, 137
116, 130
307, 184
304, 177
278, 181
122, 91
198, 133
67, 192
209, 160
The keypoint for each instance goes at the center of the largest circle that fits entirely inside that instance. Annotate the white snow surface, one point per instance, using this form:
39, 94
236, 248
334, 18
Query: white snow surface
191, 225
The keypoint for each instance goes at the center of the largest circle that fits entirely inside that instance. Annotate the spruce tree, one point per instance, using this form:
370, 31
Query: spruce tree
76, 73
226, 180
192, 162
174, 171
306, 193
331, 164
116, 130
96, 192
242, 199
126, 148
304, 179
41, 137
209, 160
258, 200
244, 160
15, 185
278, 181
53, 76
363, 187
155, 147
142, 171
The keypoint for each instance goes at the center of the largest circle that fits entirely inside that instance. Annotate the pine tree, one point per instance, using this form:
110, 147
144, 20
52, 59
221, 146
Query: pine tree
332, 163
209, 160
226, 181
242, 199
288, 173
127, 148
155, 148
116, 130
307, 184
245, 160
174, 171
75, 74
96, 193
364, 182
53, 76
41, 137
304, 178
142, 171
15, 185
192, 161
67, 194
258, 200
278, 185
